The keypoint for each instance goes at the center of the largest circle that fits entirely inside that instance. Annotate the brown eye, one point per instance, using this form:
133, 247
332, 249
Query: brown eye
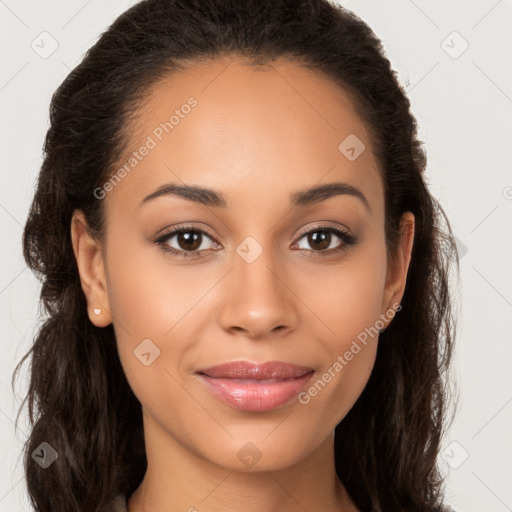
185, 241
189, 240
326, 240
319, 240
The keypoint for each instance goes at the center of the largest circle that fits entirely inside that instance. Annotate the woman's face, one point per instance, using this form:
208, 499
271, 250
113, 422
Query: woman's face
263, 271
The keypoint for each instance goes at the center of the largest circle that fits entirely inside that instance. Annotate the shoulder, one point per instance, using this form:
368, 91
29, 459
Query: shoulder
118, 504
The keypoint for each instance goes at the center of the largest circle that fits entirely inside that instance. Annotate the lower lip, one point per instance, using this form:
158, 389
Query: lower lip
255, 395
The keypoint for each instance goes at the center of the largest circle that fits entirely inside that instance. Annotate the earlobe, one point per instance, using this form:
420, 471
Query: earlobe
89, 259
399, 266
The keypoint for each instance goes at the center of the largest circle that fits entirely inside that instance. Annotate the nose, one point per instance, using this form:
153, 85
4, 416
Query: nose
258, 299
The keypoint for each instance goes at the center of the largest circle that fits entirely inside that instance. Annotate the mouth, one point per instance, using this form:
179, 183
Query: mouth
255, 387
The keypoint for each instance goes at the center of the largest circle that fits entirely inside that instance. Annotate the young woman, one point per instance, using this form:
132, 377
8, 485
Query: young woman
244, 275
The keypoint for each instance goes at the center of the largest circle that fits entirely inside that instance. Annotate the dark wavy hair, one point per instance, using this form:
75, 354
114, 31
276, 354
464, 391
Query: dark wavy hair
79, 400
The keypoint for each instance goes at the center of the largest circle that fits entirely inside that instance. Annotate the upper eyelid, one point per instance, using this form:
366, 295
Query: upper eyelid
325, 227
180, 229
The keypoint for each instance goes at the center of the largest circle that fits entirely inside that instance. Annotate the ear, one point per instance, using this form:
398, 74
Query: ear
399, 265
89, 259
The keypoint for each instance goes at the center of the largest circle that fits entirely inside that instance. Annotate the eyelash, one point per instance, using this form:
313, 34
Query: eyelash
346, 238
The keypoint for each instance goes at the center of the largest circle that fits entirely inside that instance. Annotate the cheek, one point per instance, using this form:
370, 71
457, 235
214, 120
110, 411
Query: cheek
349, 308
148, 295
333, 392
347, 298
152, 305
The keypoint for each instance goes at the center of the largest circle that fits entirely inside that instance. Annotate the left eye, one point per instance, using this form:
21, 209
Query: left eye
322, 240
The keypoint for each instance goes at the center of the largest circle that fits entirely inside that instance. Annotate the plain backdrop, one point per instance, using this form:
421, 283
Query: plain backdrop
454, 59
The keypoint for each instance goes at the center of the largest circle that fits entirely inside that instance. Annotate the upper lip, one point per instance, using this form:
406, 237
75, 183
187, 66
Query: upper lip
256, 371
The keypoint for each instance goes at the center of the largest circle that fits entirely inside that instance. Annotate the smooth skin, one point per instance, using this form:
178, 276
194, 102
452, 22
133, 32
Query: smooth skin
257, 135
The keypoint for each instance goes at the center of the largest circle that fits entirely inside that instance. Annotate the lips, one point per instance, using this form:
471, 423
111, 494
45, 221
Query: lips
245, 370
255, 387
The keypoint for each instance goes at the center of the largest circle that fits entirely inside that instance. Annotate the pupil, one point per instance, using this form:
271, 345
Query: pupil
188, 240
323, 240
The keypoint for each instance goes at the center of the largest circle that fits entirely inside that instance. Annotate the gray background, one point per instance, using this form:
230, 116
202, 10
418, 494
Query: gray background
462, 98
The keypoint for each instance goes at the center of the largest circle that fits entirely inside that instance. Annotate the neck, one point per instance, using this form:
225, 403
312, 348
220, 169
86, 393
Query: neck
177, 479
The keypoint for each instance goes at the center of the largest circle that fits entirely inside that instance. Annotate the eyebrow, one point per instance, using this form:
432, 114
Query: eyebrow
209, 197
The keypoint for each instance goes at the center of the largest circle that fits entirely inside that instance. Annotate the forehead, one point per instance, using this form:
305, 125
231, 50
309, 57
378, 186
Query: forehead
224, 124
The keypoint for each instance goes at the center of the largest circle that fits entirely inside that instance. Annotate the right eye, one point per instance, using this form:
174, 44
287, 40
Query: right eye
188, 241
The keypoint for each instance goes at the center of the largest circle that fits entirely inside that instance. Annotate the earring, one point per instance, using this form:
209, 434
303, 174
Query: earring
97, 311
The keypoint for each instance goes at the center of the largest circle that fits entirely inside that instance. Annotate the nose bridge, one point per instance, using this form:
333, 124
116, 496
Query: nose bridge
258, 301
253, 269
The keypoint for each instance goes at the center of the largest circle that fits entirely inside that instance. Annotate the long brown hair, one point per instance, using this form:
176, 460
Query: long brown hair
79, 400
